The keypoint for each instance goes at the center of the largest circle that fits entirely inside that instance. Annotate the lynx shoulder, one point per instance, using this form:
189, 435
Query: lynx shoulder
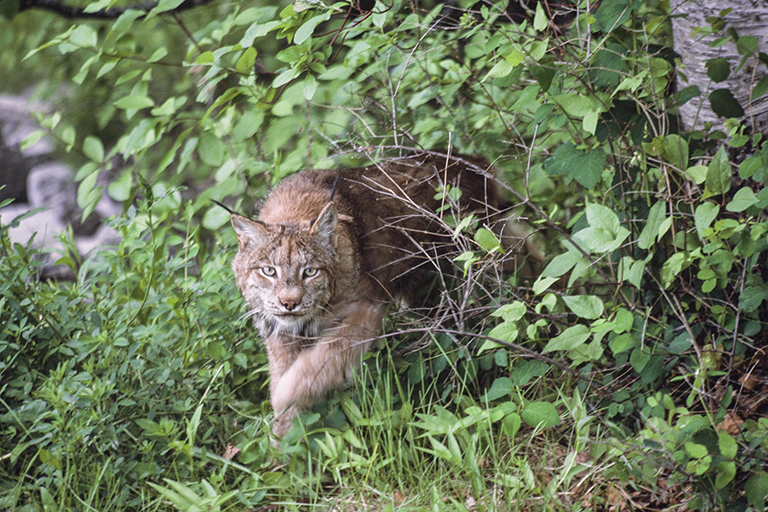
318, 274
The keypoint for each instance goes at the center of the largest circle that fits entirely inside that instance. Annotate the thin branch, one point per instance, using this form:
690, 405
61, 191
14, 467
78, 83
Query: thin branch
70, 12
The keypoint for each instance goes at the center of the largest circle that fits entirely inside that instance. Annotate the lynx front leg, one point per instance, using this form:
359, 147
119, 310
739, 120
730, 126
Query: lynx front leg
330, 361
282, 351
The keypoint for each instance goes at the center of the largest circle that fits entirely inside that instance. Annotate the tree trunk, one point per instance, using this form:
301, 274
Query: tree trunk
748, 18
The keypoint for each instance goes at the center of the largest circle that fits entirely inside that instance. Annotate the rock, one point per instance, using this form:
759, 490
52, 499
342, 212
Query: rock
15, 125
40, 228
50, 188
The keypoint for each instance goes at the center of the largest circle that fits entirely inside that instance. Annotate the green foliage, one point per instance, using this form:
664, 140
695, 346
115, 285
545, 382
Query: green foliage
651, 306
104, 379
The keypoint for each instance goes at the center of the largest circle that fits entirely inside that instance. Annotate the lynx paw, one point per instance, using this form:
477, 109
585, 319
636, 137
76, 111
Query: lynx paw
282, 423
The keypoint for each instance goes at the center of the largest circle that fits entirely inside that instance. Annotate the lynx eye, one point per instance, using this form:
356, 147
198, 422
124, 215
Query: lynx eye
268, 271
310, 272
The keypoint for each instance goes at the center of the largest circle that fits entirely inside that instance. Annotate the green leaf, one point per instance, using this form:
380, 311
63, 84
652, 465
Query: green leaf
719, 174
577, 105
501, 69
514, 58
728, 446
93, 148
248, 125
134, 103
704, 215
742, 199
760, 88
68, 136
726, 471
687, 94
561, 264
724, 104
587, 352
31, 139
718, 69
310, 87
46, 457
501, 387
609, 66
584, 167
631, 270
468, 258
623, 321
697, 173
165, 6
542, 284
570, 338
157, 55
543, 75
524, 371
88, 199
216, 350
598, 240
584, 306
305, 31
746, 45
613, 13
423, 96
656, 215
83, 36
120, 189
488, 241
751, 298
750, 166
246, 61
205, 58
673, 266
505, 331
676, 151
622, 343
540, 20
600, 216
285, 77
696, 450
638, 359
511, 312
541, 415
510, 424
756, 490
680, 344
589, 123
215, 218
211, 149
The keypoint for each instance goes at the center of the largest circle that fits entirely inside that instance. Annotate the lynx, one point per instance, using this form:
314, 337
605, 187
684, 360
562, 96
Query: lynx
331, 249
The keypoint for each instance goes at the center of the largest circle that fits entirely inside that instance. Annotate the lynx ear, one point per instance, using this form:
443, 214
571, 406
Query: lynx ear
247, 229
324, 226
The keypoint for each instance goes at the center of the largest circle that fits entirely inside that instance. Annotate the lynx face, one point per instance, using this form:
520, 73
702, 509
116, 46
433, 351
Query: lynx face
285, 272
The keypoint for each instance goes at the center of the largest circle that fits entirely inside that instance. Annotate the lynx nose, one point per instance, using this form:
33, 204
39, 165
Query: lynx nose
289, 304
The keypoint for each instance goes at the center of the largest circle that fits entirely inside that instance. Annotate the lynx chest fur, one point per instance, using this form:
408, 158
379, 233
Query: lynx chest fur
318, 272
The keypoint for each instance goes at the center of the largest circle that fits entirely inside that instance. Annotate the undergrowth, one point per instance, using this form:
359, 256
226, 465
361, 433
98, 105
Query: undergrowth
628, 374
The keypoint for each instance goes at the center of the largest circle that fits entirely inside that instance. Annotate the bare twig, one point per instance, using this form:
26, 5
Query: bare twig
70, 12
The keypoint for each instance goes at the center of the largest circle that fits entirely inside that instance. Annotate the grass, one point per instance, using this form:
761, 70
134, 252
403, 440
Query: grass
137, 388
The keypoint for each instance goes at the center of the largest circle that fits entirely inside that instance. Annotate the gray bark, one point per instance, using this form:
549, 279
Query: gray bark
749, 17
